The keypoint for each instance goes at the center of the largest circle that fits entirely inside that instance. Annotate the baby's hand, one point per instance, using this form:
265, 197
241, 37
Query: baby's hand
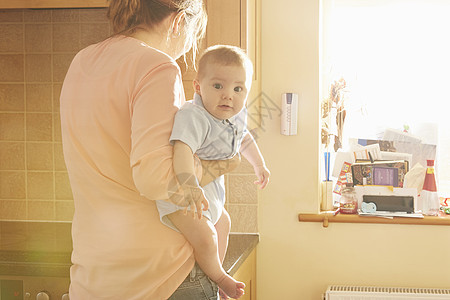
263, 175
195, 199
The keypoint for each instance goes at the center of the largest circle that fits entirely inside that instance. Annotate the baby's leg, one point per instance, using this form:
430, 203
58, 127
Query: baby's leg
223, 227
202, 235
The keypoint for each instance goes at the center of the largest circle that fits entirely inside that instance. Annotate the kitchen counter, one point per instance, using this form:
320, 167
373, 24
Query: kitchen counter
239, 248
44, 249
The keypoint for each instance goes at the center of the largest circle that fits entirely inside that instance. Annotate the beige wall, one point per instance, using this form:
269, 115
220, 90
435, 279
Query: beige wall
298, 260
36, 48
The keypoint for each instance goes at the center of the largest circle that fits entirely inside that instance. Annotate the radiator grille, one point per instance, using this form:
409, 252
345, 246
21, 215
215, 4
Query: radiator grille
342, 292
376, 289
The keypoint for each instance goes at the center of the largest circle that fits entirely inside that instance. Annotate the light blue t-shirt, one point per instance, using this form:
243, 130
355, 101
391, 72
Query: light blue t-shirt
211, 139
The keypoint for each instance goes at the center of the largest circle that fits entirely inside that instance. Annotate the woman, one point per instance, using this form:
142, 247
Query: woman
118, 102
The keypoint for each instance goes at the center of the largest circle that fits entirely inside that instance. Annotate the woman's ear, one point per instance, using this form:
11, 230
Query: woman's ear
177, 23
196, 85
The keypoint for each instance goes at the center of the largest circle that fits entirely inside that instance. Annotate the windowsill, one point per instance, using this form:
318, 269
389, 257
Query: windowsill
327, 217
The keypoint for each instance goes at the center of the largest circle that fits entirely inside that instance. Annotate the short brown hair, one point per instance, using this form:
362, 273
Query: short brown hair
225, 55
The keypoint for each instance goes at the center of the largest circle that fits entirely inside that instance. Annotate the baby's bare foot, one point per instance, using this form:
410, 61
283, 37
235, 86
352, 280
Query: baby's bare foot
231, 287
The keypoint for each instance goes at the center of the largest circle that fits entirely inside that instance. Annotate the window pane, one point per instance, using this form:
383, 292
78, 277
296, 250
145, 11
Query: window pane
395, 58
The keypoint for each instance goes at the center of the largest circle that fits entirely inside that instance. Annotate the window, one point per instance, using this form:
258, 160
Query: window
394, 56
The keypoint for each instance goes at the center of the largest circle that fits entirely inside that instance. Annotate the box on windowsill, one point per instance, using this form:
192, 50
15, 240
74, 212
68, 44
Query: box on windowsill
390, 173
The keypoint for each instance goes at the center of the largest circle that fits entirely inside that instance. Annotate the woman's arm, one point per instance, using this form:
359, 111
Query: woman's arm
153, 106
184, 167
184, 164
250, 151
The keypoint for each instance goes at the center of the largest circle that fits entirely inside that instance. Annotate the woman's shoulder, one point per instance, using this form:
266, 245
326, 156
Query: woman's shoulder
128, 52
149, 56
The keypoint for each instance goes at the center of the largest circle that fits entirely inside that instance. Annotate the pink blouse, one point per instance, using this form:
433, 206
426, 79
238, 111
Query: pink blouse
118, 103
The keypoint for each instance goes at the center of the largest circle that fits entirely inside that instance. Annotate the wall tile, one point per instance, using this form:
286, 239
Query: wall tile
57, 128
40, 156
93, 15
13, 210
40, 185
64, 210
38, 38
241, 189
62, 186
39, 97
65, 15
61, 63
92, 33
8, 15
12, 155
60, 165
66, 37
38, 67
29, 109
11, 68
12, 185
12, 38
12, 126
37, 15
40, 210
56, 95
39, 127
12, 97
243, 218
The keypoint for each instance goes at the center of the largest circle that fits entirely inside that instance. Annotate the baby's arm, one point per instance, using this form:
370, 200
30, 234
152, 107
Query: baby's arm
250, 151
184, 167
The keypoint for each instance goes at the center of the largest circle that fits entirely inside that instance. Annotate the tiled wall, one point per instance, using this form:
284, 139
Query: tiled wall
242, 198
36, 48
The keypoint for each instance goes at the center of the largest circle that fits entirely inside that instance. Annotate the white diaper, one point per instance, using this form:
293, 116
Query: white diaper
214, 193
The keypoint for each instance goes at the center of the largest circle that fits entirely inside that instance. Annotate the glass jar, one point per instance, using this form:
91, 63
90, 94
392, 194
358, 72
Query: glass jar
348, 201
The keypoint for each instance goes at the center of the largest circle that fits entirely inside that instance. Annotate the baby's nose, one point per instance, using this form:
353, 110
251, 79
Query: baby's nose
227, 94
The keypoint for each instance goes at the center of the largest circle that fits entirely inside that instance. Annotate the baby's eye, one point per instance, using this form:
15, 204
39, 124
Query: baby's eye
238, 89
217, 86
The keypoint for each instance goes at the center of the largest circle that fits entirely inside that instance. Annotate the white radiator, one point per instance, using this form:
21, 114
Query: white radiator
340, 292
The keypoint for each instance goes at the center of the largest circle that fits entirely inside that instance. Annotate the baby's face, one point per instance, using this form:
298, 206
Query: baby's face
224, 90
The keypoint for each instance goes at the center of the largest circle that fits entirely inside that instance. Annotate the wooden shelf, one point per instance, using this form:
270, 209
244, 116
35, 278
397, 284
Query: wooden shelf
19, 4
327, 218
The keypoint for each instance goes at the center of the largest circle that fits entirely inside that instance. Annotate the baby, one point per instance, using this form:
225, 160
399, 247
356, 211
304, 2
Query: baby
212, 126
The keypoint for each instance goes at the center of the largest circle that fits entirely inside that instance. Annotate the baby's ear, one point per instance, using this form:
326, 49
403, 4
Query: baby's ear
196, 85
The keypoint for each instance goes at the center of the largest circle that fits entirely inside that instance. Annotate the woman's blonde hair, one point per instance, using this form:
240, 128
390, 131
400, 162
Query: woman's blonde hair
127, 15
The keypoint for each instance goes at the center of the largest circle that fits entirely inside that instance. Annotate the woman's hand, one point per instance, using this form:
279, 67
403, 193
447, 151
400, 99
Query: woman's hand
194, 200
211, 169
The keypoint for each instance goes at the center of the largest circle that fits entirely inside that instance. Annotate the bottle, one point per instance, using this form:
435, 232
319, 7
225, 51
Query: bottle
429, 196
348, 201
